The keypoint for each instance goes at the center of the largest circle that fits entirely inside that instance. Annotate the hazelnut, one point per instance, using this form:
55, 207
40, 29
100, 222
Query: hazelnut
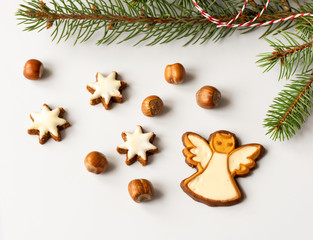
152, 106
96, 162
33, 69
140, 190
175, 73
208, 97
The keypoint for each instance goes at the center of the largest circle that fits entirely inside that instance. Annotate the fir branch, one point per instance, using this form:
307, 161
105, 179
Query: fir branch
159, 21
290, 55
290, 109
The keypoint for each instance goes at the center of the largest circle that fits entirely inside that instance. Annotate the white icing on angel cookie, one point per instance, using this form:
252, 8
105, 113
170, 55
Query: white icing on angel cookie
47, 123
217, 163
137, 145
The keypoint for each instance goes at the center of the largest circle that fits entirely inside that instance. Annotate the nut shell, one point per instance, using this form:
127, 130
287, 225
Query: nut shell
175, 73
152, 106
96, 162
33, 69
140, 190
208, 97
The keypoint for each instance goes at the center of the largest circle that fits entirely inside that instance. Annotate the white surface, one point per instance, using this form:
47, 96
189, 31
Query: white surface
46, 192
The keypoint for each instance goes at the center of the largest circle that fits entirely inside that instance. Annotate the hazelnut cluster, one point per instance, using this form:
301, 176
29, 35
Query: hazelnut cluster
207, 97
140, 190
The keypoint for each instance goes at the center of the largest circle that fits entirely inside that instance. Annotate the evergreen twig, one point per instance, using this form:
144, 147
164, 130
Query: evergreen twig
290, 56
159, 21
293, 105
290, 109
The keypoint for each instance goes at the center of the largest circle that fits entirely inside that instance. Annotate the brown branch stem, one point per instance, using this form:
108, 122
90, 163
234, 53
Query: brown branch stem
283, 54
294, 104
52, 16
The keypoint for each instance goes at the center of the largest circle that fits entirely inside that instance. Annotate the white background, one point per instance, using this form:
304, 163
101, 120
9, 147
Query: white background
45, 190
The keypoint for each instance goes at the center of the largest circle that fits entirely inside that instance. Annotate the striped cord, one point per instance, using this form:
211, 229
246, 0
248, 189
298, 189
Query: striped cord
251, 22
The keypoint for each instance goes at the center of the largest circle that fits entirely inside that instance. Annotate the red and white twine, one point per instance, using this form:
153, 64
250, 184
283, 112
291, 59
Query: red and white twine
251, 22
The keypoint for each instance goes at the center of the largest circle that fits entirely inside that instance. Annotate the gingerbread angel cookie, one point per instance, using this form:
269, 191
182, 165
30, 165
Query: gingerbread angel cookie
138, 146
106, 90
218, 162
48, 123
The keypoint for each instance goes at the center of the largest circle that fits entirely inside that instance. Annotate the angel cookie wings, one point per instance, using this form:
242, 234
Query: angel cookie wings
217, 161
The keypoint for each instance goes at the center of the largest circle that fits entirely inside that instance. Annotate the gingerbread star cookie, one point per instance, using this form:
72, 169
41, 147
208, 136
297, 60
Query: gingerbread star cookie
218, 161
138, 146
106, 90
48, 123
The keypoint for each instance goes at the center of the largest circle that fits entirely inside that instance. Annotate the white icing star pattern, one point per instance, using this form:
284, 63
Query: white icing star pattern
106, 87
138, 143
47, 121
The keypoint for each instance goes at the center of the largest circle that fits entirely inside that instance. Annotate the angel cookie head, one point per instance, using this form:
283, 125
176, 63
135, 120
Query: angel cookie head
222, 142
218, 162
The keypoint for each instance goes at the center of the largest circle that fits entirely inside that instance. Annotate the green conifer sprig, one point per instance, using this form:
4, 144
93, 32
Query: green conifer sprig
290, 109
155, 21
293, 52
297, 53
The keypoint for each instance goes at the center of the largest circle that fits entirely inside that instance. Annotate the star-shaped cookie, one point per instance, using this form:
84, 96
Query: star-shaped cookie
48, 123
138, 146
106, 90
